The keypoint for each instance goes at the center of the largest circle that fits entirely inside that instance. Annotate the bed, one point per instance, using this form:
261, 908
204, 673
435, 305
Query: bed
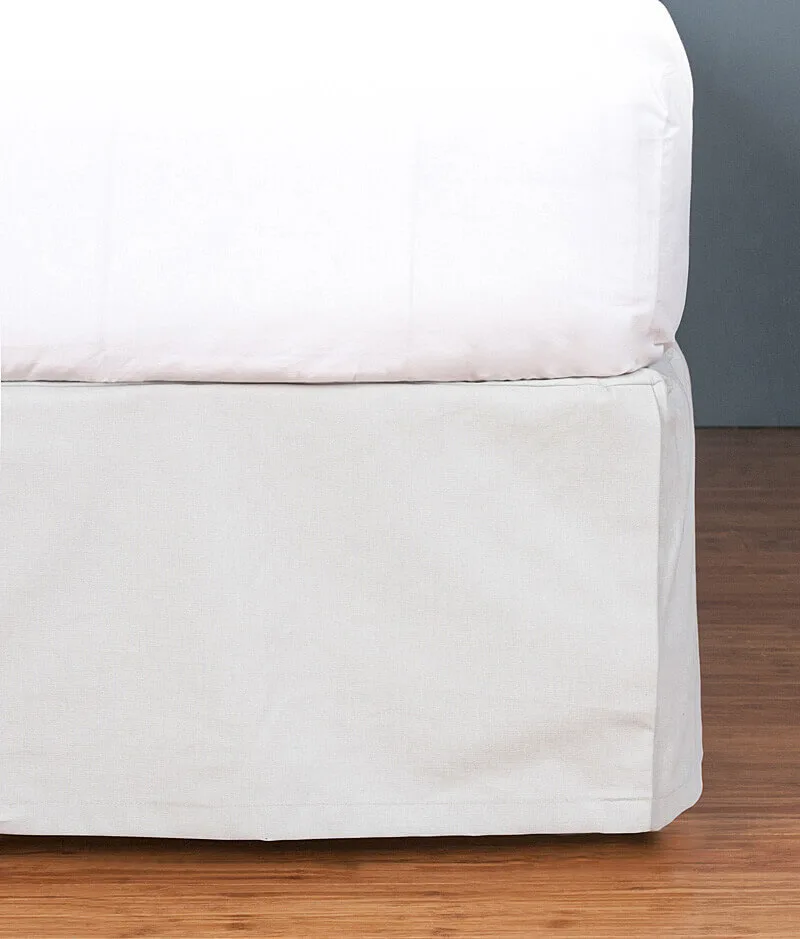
347, 449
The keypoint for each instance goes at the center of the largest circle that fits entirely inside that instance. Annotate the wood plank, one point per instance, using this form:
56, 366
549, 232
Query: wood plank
730, 868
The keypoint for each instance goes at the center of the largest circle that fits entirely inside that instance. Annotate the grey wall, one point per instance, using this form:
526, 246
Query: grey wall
741, 333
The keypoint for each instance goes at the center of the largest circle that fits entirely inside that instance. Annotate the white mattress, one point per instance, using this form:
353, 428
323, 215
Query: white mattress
248, 611
295, 192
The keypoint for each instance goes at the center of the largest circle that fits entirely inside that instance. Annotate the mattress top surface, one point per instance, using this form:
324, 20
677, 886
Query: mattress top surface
348, 192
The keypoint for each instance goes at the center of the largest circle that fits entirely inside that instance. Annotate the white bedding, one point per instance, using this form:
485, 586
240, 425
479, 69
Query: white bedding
339, 193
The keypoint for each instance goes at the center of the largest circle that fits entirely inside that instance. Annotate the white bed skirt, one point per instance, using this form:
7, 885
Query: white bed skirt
281, 611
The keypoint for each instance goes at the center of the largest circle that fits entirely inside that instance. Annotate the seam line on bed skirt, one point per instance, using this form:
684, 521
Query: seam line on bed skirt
303, 805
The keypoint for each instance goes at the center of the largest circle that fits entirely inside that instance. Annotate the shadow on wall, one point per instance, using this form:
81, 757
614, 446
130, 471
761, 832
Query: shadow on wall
741, 333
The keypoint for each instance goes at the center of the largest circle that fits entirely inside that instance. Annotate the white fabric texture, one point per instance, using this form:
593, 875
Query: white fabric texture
234, 611
382, 192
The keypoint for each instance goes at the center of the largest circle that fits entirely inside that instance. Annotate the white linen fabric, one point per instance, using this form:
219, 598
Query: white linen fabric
342, 192
234, 611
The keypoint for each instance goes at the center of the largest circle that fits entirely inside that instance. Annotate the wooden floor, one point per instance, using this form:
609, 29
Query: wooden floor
729, 868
